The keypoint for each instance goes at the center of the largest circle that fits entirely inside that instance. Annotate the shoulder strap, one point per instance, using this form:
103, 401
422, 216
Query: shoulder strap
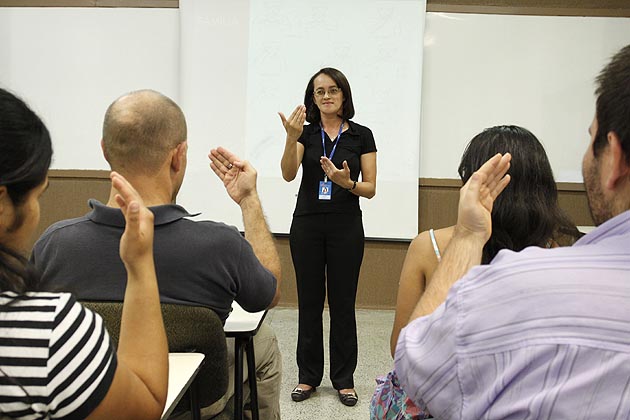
435, 245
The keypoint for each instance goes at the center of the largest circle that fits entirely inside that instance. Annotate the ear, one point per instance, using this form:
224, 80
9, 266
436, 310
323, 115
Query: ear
6, 204
178, 158
617, 159
4, 195
104, 152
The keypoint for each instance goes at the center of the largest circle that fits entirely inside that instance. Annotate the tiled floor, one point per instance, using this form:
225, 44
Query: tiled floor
374, 327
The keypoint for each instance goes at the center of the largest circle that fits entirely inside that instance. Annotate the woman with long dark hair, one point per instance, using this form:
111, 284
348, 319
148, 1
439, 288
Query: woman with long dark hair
525, 214
57, 360
326, 236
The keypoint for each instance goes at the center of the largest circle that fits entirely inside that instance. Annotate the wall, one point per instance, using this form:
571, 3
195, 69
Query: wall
534, 71
69, 64
437, 198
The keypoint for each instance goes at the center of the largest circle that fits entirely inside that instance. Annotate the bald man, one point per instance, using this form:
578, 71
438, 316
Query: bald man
201, 263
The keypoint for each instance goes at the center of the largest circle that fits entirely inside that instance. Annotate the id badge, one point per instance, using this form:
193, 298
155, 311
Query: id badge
325, 190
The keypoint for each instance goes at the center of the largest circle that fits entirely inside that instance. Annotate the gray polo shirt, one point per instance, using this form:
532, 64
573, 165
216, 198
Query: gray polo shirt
200, 263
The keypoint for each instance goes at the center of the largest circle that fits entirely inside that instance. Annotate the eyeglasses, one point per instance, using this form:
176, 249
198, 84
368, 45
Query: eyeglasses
319, 93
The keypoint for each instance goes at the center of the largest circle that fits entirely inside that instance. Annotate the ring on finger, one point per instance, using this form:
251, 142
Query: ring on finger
229, 166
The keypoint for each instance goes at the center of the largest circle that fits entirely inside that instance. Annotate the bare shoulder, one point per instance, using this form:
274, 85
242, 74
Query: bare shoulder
425, 251
423, 245
443, 237
420, 245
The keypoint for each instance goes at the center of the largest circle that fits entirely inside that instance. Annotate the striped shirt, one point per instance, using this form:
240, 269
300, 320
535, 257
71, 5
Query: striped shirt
56, 358
539, 334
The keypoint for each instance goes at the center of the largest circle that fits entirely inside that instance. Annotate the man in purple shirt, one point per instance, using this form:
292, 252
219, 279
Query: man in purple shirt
542, 333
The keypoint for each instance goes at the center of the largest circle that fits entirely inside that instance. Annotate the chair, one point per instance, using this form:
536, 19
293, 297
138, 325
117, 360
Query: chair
188, 329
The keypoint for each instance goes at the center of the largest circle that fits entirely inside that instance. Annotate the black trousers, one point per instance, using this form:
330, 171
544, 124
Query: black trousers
327, 251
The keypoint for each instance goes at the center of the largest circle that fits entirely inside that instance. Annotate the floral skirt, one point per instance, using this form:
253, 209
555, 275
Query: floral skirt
390, 402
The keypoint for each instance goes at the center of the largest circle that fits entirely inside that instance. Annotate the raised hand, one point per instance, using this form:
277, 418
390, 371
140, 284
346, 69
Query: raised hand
472, 231
238, 177
137, 240
294, 125
340, 177
476, 198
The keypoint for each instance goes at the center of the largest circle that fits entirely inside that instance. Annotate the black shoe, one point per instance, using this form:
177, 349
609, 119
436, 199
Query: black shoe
348, 398
298, 394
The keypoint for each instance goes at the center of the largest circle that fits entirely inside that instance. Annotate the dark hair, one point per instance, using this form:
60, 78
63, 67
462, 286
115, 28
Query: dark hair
312, 111
25, 155
527, 212
613, 102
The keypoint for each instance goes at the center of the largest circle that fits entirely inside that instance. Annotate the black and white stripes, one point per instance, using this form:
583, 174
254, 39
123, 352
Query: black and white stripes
56, 357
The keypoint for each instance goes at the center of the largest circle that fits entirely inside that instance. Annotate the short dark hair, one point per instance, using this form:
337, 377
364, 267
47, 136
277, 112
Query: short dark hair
527, 212
25, 155
613, 102
312, 111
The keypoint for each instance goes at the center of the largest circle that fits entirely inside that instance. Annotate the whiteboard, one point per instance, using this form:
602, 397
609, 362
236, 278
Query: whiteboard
533, 71
243, 61
69, 64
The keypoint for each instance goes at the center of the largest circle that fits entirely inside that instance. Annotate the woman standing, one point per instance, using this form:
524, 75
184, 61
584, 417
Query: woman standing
326, 236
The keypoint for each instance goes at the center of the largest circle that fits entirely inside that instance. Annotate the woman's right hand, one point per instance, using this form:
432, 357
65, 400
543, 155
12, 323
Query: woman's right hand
295, 123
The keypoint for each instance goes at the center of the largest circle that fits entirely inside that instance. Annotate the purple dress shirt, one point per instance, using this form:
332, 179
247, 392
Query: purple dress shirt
538, 334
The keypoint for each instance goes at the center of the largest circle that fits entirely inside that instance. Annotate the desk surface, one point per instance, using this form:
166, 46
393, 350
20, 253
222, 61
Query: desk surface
242, 322
182, 369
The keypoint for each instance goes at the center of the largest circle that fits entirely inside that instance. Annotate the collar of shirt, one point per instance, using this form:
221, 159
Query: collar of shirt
618, 225
112, 216
314, 129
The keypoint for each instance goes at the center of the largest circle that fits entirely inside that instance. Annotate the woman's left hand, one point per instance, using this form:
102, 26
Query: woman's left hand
340, 177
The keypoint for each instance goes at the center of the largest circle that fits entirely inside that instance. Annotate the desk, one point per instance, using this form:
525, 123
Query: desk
243, 326
182, 370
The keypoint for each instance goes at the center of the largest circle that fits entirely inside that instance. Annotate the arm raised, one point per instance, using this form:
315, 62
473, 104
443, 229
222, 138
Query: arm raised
142, 373
473, 229
293, 150
239, 179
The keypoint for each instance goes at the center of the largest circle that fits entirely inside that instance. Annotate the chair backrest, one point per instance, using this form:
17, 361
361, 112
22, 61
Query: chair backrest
188, 329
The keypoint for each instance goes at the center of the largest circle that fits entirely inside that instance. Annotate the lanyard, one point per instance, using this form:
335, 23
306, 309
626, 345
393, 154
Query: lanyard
332, 152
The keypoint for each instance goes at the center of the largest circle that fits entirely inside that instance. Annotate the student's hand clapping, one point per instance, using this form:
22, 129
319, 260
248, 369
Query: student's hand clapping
476, 197
238, 176
136, 242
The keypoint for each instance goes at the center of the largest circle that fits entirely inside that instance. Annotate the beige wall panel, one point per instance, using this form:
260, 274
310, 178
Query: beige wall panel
575, 204
378, 281
380, 272
560, 4
438, 198
378, 284
165, 4
612, 8
437, 203
68, 193
288, 288
50, 3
